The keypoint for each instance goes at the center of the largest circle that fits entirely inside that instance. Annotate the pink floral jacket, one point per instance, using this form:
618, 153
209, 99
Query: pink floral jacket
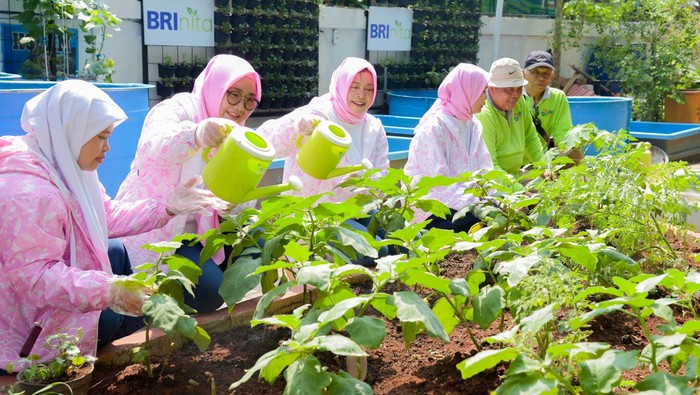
38, 284
368, 141
444, 145
166, 157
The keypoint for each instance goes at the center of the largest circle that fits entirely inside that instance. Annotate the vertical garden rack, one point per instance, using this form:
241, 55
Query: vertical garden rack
445, 33
280, 39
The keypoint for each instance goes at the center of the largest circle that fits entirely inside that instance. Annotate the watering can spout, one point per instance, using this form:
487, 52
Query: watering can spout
365, 165
258, 193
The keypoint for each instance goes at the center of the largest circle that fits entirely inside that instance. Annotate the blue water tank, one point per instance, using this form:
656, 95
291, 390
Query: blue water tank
411, 103
132, 98
607, 113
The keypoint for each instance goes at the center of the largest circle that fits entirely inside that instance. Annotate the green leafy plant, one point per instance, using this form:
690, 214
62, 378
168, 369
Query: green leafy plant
47, 24
649, 45
61, 368
618, 195
165, 309
95, 20
168, 61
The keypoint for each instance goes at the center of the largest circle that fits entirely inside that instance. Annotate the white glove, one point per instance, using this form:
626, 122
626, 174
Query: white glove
126, 296
307, 123
188, 199
211, 132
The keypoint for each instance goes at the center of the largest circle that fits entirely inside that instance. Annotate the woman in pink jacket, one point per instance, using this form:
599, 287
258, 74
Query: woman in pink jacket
174, 135
352, 91
448, 141
55, 268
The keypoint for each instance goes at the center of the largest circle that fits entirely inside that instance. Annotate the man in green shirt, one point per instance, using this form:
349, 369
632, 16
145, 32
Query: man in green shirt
549, 106
507, 124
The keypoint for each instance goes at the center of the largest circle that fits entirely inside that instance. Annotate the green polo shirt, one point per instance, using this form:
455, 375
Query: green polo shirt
554, 113
510, 137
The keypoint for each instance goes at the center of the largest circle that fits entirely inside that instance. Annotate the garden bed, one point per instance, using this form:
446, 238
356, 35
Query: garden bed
428, 366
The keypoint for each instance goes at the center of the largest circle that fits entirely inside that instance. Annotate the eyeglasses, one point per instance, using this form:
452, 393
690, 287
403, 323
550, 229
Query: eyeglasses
234, 97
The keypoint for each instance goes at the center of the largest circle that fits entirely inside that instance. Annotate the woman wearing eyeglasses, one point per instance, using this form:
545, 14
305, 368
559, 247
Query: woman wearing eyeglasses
174, 134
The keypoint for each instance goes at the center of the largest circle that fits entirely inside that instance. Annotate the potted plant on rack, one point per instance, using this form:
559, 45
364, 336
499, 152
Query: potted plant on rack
167, 68
198, 64
165, 87
69, 372
183, 84
184, 68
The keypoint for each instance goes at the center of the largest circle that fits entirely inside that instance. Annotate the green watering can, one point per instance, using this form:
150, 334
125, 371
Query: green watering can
321, 153
235, 170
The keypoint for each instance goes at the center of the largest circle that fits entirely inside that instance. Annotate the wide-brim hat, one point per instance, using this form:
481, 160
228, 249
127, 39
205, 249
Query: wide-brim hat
506, 73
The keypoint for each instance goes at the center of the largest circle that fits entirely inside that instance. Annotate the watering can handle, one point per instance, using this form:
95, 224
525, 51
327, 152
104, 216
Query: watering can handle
299, 138
205, 154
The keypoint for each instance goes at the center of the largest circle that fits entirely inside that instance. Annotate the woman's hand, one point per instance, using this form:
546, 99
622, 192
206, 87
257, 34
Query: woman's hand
188, 199
307, 123
126, 296
211, 132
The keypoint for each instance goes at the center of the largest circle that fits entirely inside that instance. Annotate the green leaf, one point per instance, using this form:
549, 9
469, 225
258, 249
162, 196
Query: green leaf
666, 383
650, 283
275, 365
319, 276
239, 279
305, 377
517, 268
600, 376
426, 279
367, 331
344, 383
488, 305
163, 246
338, 345
446, 314
339, 309
189, 269
285, 320
263, 361
385, 306
201, 338
485, 360
539, 318
269, 297
578, 322
534, 384
355, 240
580, 254
460, 287
523, 365
296, 251
412, 308
168, 316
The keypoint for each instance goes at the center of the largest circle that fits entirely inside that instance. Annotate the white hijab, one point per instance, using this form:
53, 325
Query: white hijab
61, 120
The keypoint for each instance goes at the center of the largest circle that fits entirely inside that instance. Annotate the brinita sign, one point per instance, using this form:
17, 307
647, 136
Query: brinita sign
178, 22
389, 29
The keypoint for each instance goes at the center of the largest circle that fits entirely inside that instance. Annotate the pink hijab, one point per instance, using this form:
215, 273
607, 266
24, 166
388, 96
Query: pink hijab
459, 91
341, 80
221, 72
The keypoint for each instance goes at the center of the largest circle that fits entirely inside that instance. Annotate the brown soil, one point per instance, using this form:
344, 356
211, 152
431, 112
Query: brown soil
428, 366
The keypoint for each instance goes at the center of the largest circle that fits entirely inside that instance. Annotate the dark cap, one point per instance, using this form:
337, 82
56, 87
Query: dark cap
537, 59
